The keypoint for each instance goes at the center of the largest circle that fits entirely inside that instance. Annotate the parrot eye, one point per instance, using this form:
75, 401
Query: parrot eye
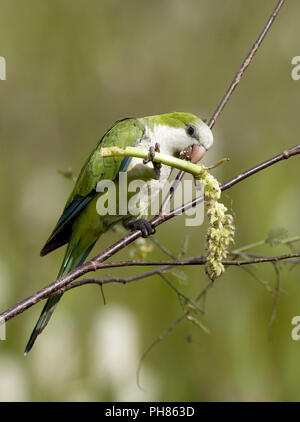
191, 130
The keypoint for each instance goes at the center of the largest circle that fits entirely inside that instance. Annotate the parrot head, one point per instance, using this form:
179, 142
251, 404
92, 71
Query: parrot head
180, 132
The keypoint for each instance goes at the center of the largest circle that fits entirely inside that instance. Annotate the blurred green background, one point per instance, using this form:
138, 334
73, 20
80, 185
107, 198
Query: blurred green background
73, 68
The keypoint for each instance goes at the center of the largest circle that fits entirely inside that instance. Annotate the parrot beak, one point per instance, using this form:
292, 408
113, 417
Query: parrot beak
194, 153
198, 152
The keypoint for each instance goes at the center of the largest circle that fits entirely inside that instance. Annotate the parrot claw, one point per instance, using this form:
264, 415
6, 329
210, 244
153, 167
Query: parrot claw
156, 166
143, 225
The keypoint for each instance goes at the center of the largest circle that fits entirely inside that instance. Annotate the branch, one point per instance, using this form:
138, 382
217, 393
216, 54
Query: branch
169, 160
96, 262
187, 166
195, 260
66, 283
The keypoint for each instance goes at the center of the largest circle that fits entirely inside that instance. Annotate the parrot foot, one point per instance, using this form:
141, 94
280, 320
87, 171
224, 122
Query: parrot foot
156, 166
143, 225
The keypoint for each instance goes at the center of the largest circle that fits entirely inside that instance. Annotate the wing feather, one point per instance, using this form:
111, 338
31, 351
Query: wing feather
124, 133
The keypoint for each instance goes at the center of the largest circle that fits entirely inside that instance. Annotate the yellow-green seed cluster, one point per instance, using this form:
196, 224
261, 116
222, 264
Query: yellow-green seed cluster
220, 232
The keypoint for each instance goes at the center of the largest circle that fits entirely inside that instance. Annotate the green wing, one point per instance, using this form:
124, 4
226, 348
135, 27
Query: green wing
124, 133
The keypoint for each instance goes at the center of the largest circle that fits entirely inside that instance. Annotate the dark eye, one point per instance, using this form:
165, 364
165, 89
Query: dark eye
191, 130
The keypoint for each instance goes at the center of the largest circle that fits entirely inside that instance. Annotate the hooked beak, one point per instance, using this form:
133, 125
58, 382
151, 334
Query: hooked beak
194, 153
198, 152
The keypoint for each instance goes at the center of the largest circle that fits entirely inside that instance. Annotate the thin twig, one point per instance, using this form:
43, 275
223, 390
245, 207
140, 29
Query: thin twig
162, 247
231, 88
245, 63
199, 260
180, 293
165, 265
174, 324
112, 279
275, 302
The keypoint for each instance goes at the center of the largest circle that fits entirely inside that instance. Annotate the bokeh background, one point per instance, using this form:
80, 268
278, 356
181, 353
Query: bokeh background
73, 68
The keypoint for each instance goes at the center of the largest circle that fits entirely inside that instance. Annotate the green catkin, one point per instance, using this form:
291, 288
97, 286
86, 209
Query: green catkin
220, 232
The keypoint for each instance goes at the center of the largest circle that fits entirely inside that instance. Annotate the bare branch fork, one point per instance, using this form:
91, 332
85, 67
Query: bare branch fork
63, 283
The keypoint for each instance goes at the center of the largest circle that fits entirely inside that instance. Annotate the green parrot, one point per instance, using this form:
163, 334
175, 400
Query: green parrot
80, 225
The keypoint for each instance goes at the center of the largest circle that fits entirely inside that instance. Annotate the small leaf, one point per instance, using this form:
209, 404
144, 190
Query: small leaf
185, 245
198, 323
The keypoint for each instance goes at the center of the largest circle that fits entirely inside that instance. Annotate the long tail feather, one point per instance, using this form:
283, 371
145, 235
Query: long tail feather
42, 321
73, 259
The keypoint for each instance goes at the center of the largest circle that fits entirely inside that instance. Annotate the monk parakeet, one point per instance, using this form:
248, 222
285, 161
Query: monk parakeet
80, 225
